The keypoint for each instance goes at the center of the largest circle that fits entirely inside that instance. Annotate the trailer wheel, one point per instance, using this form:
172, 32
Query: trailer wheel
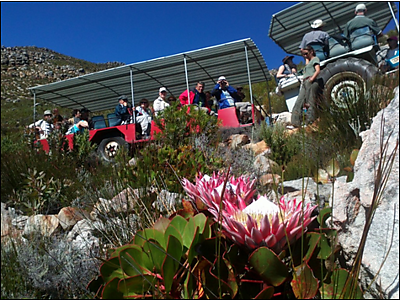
108, 148
345, 79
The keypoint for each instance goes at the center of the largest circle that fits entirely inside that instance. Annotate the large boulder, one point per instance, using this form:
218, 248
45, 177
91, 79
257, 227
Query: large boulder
352, 204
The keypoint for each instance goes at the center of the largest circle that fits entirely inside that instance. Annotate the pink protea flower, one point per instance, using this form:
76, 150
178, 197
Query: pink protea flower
238, 192
251, 223
264, 223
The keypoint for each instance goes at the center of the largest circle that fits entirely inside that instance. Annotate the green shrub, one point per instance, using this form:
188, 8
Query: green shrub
283, 146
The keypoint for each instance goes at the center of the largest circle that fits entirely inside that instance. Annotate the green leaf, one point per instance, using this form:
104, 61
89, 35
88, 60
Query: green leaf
137, 285
161, 224
192, 246
268, 265
117, 251
226, 276
312, 239
237, 257
155, 252
171, 230
96, 285
200, 221
188, 233
131, 261
325, 249
341, 286
171, 261
323, 215
179, 223
147, 234
266, 293
304, 284
110, 269
111, 291
207, 249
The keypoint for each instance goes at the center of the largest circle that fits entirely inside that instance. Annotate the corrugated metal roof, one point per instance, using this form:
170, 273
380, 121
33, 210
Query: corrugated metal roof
288, 26
99, 91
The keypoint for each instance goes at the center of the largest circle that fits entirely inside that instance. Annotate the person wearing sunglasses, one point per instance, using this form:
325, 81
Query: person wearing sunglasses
307, 100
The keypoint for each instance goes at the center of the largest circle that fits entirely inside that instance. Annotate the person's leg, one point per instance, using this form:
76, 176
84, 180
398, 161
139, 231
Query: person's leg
297, 112
312, 94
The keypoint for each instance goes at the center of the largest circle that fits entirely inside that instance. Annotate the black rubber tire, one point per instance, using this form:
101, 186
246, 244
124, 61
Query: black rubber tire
344, 79
109, 147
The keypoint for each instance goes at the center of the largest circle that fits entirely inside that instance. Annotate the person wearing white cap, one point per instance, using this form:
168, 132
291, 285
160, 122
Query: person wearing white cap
161, 102
225, 94
228, 96
44, 126
360, 21
316, 36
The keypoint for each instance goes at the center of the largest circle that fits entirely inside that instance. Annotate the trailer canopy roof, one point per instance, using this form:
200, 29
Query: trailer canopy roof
288, 26
99, 91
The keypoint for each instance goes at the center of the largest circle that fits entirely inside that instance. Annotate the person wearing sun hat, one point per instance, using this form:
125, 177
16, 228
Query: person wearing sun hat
361, 20
316, 36
288, 69
44, 126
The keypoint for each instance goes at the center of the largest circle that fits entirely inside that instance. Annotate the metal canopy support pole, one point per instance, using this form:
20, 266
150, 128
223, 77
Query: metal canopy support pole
34, 106
251, 91
394, 17
133, 97
248, 74
186, 76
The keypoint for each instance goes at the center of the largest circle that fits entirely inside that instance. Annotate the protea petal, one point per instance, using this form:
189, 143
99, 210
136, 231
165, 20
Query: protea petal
270, 241
256, 236
251, 243
265, 227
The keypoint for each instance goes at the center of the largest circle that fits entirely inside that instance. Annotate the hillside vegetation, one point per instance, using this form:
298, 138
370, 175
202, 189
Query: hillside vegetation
24, 67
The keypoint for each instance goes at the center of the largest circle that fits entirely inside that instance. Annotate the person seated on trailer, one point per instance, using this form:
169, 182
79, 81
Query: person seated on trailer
144, 116
161, 102
239, 89
75, 118
57, 118
78, 127
361, 20
122, 110
288, 69
316, 36
85, 116
392, 55
211, 102
227, 96
197, 97
44, 126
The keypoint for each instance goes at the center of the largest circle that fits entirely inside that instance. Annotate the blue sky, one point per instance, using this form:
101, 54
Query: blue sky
130, 32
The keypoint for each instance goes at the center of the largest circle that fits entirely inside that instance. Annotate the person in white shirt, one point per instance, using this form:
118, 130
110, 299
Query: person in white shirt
144, 117
44, 126
161, 102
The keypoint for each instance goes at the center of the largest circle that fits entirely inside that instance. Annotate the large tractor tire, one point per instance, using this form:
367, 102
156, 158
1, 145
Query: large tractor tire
109, 147
345, 79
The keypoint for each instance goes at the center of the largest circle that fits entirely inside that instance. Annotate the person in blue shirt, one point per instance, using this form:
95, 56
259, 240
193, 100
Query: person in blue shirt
122, 110
392, 55
225, 94
78, 127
